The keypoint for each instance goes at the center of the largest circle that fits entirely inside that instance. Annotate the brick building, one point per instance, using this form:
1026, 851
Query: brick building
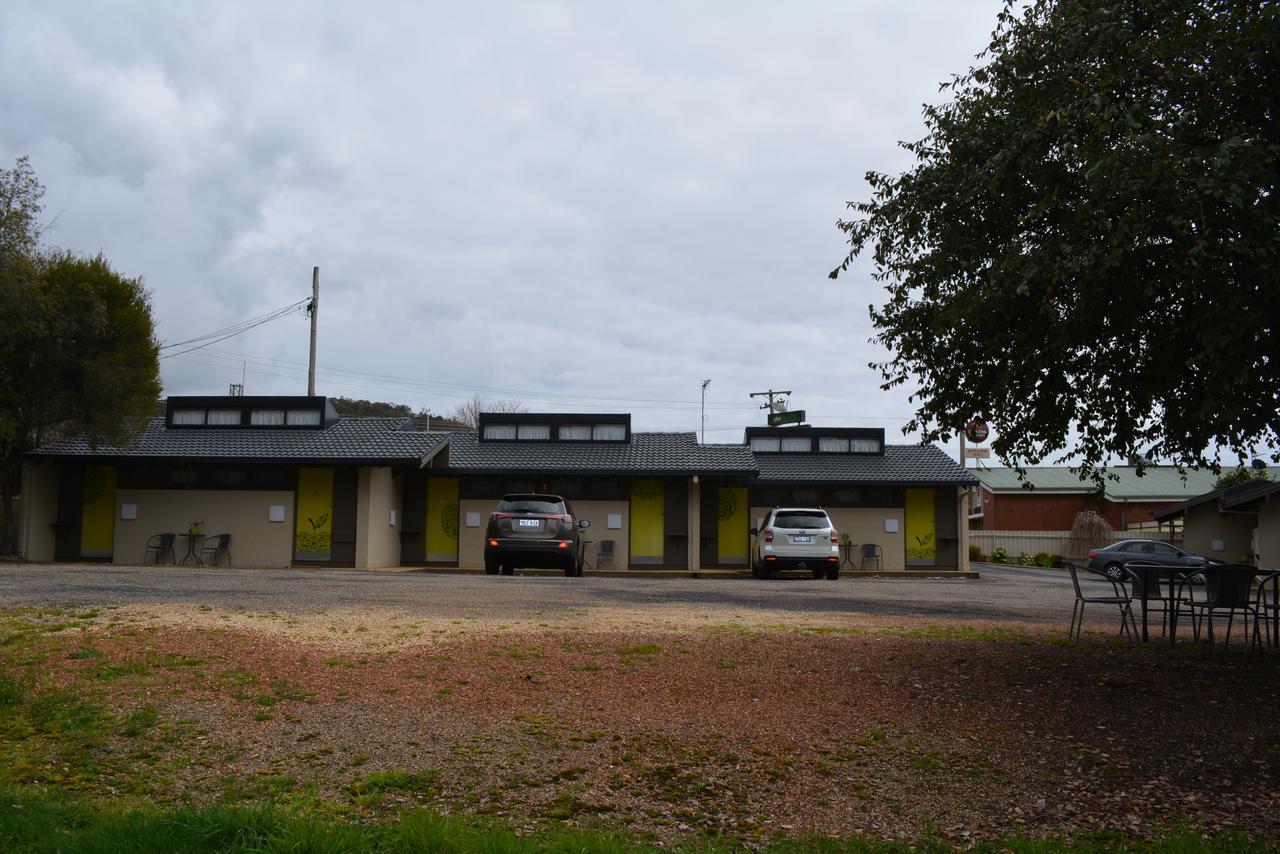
1048, 499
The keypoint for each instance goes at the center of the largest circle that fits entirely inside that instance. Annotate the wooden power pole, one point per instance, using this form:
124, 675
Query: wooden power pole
314, 311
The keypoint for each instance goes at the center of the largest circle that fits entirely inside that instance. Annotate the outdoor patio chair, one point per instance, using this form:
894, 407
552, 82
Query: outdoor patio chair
213, 548
1170, 602
604, 549
1119, 598
1227, 588
871, 551
157, 546
1266, 605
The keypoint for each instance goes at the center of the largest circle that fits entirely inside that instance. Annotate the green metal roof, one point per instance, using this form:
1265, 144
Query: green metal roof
1157, 483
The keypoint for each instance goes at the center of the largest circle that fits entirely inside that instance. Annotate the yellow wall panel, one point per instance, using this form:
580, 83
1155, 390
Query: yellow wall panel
442, 519
313, 534
734, 516
98, 519
921, 527
648, 503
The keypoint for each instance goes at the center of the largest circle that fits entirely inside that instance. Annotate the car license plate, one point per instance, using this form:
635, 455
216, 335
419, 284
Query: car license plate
529, 523
802, 539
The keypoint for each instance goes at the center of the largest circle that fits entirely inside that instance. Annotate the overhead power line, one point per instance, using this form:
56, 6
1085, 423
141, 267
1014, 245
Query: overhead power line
218, 335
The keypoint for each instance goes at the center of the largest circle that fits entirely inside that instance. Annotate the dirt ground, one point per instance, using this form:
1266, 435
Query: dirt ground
667, 723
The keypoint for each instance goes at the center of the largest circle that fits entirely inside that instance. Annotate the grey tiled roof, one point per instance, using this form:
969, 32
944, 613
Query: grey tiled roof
655, 453
900, 464
383, 440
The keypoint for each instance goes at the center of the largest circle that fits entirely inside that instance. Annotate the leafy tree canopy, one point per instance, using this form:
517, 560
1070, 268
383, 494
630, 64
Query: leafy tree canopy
351, 406
1240, 475
1088, 242
78, 353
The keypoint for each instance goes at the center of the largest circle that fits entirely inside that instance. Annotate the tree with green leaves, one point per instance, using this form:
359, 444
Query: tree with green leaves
1086, 251
1240, 475
78, 353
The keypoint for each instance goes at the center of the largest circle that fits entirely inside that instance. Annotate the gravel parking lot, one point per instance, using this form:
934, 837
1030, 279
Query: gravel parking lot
1000, 594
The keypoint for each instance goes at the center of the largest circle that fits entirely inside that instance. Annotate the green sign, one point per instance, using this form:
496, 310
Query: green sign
779, 418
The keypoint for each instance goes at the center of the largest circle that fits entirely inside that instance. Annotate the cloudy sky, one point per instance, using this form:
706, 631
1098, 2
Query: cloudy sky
583, 206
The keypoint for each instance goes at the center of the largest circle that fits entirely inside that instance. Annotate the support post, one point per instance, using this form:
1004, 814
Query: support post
315, 311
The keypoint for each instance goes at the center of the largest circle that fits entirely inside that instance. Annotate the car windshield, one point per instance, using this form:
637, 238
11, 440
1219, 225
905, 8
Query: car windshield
801, 519
531, 504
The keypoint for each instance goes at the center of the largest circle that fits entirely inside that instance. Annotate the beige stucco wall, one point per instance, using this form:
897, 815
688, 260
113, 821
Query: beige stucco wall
241, 513
864, 525
1203, 525
39, 510
1267, 535
471, 540
962, 523
377, 539
598, 512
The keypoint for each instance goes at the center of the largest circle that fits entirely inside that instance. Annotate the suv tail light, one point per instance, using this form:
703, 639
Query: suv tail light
493, 516
835, 538
768, 535
562, 517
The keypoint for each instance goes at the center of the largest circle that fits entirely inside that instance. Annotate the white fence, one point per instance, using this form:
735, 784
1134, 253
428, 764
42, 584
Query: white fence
1053, 542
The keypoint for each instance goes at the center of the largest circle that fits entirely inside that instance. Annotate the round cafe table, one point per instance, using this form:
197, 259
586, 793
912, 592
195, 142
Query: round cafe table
193, 541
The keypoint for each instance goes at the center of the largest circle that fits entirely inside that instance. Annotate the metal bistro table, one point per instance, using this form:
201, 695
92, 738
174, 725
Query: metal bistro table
193, 540
1152, 574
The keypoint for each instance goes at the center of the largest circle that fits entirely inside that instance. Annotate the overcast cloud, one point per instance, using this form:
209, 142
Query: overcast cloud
588, 207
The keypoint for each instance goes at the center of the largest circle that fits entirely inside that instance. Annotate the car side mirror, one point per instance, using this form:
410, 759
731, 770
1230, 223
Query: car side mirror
584, 523
753, 531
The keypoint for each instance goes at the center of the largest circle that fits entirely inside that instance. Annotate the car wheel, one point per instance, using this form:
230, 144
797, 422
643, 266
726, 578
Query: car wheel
766, 571
490, 567
508, 569
1114, 571
833, 572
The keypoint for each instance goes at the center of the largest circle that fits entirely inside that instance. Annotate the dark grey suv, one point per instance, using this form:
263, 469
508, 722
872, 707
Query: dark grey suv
533, 530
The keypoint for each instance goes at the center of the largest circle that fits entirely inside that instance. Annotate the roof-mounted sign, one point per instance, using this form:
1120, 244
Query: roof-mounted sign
777, 419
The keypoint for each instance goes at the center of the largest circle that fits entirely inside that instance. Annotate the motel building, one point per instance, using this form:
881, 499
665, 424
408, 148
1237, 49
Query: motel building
295, 484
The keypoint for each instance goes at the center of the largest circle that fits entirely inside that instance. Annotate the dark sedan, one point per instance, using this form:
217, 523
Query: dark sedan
1110, 560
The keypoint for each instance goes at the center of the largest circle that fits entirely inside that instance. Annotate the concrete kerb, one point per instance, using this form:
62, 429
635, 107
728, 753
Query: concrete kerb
912, 574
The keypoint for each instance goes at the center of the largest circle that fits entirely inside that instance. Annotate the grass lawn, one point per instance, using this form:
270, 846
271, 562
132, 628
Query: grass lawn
171, 730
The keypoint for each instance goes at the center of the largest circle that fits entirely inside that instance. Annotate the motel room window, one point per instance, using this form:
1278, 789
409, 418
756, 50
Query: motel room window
865, 446
303, 418
267, 417
609, 433
500, 432
764, 444
575, 432
188, 416
533, 431
224, 418
833, 445
797, 445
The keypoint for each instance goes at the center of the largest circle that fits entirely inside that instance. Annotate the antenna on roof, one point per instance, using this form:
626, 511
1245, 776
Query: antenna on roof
705, 383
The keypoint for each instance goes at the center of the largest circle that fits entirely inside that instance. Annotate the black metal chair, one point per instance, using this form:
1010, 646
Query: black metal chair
871, 551
157, 546
1266, 607
1147, 588
213, 548
1228, 587
1120, 598
604, 549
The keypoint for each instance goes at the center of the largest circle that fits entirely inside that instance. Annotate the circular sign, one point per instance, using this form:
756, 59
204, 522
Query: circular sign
976, 431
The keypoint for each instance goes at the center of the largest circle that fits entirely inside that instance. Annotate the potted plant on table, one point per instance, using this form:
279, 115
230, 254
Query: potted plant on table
194, 530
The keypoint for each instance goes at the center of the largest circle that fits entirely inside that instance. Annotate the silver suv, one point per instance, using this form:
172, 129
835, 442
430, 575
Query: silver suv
796, 538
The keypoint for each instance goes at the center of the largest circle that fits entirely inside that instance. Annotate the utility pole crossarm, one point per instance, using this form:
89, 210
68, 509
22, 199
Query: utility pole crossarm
771, 394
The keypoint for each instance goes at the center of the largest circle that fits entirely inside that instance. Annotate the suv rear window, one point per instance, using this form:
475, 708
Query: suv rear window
802, 519
531, 504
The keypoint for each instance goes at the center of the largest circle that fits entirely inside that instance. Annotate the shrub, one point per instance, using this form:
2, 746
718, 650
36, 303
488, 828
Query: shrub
1056, 560
999, 555
1025, 559
1043, 559
975, 552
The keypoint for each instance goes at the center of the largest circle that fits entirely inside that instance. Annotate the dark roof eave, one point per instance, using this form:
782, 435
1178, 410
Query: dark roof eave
414, 460
609, 472
854, 482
